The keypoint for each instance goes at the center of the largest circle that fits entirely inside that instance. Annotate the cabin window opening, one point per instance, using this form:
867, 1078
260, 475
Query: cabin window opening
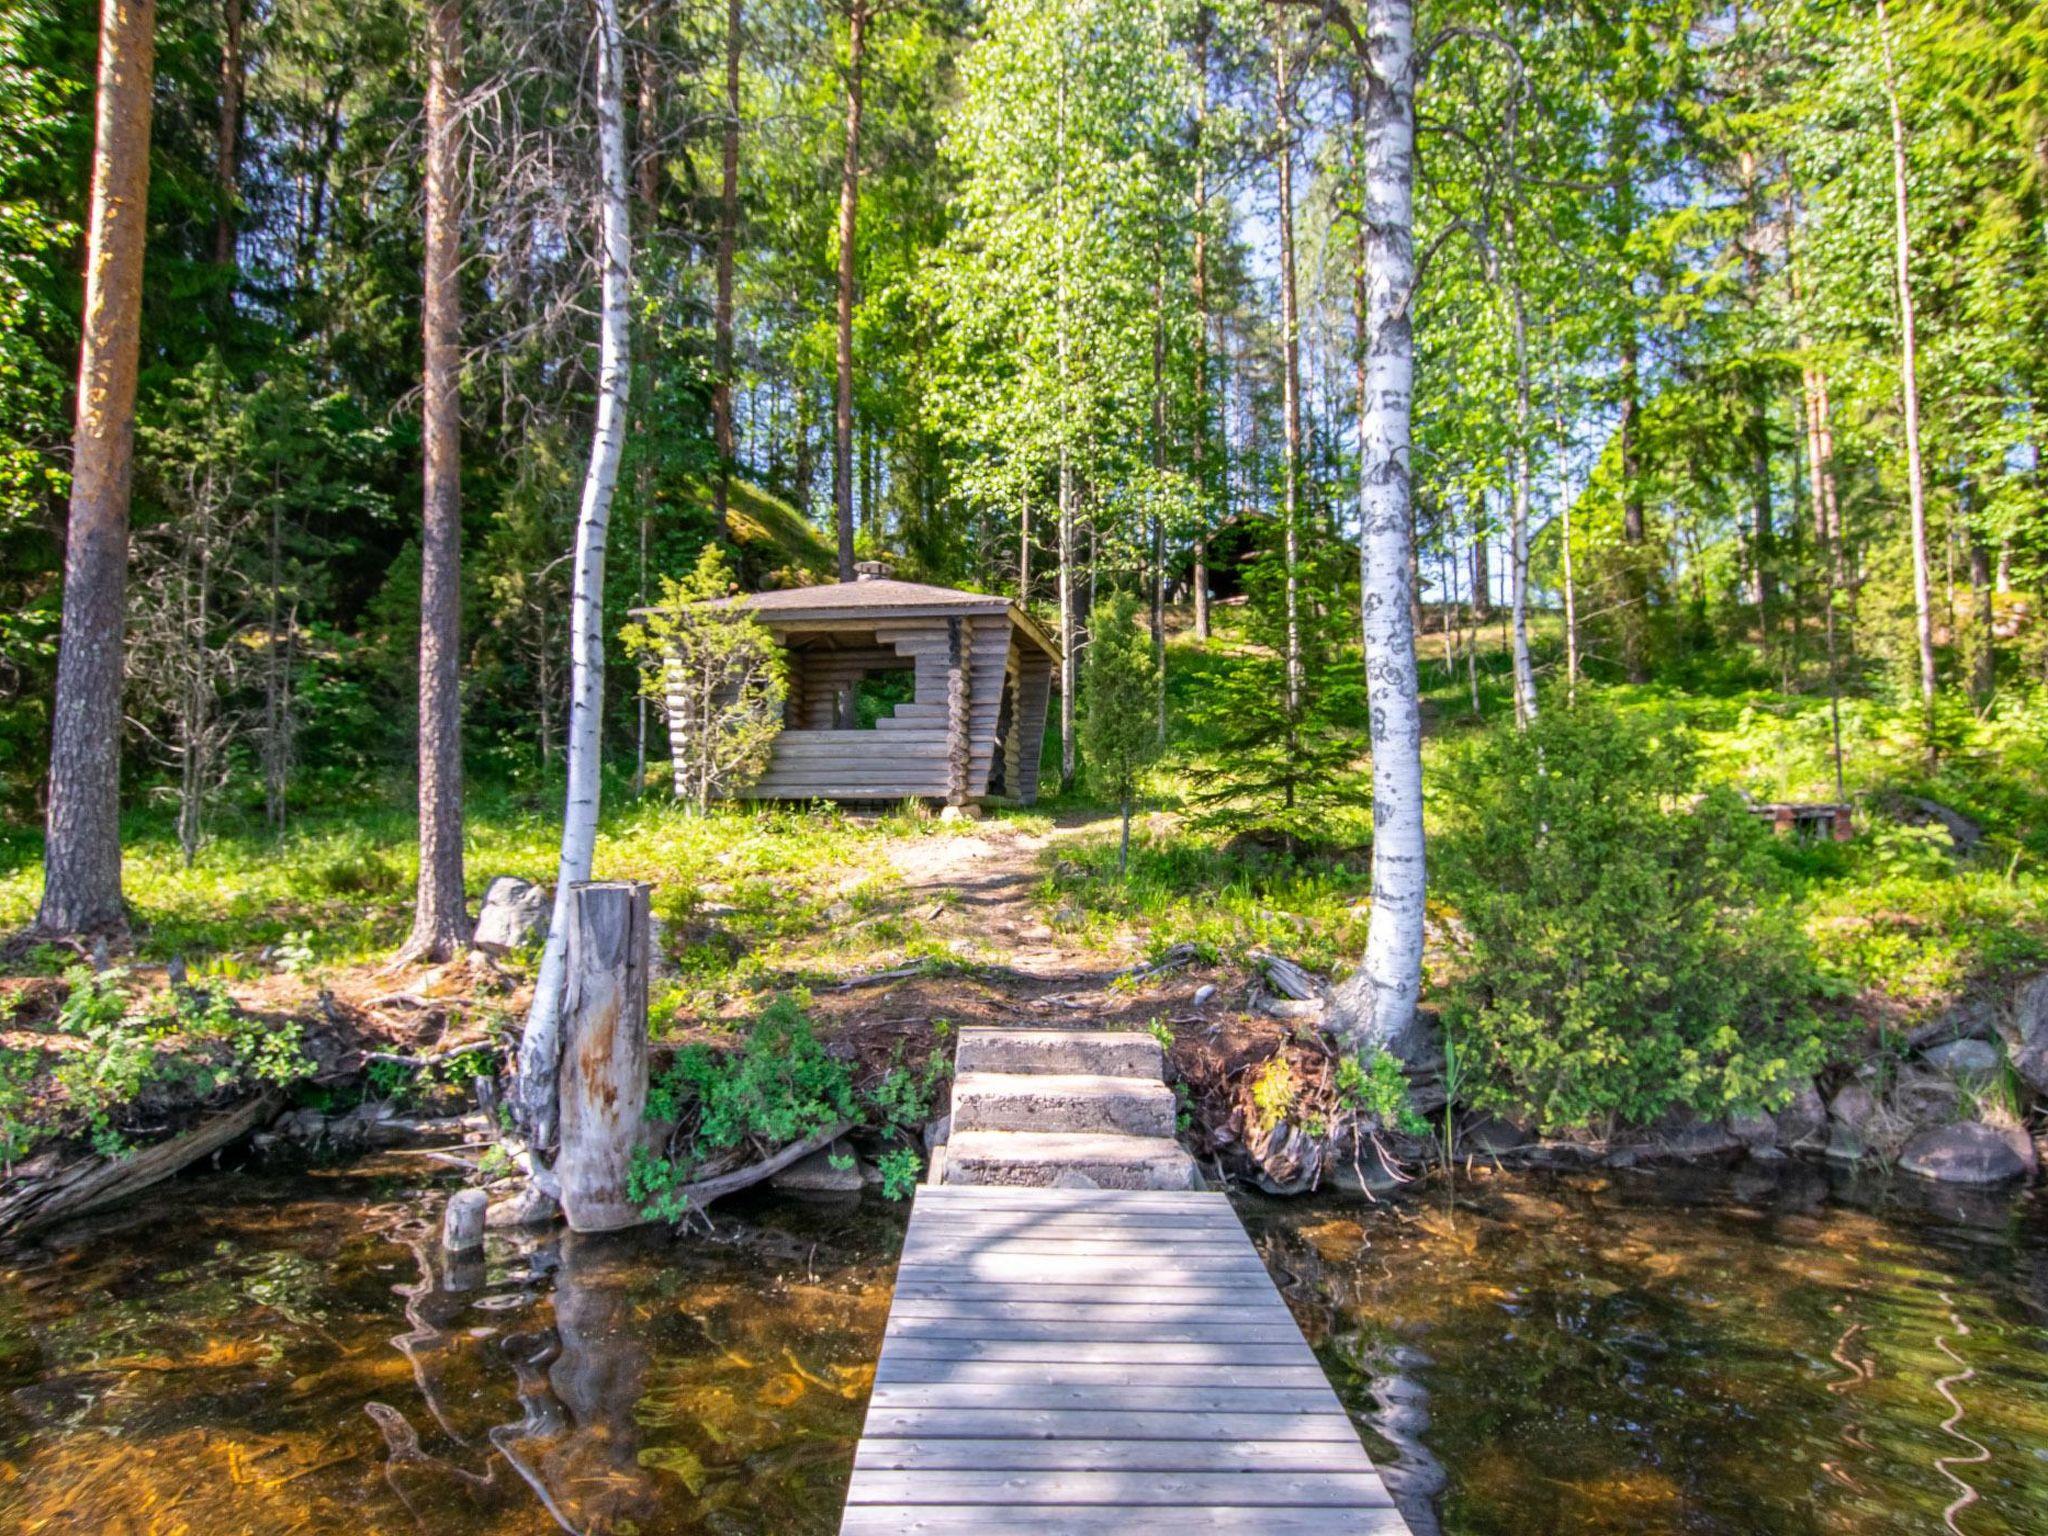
877, 694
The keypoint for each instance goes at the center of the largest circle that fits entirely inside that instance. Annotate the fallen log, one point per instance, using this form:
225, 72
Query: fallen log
704, 1191
37, 1199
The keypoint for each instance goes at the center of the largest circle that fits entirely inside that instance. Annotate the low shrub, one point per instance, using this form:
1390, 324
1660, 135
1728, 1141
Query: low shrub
1624, 950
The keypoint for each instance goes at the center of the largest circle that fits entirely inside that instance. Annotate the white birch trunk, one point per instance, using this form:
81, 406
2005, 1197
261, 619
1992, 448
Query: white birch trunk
540, 1047
1909, 377
1518, 519
1376, 1005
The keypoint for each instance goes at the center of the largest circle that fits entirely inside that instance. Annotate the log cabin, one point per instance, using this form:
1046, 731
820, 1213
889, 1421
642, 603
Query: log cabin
899, 690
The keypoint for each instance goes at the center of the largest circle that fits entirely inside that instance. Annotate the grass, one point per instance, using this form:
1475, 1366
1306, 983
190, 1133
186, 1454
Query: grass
1899, 919
336, 890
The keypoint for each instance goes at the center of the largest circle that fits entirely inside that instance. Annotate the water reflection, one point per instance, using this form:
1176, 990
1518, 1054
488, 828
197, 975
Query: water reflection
1768, 1352
270, 1354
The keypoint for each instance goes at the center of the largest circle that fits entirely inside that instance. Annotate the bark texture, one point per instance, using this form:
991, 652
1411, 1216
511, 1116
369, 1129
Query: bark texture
1909, 377
1376, 1005
604, 1053
849, 215
728, 240
82, 847
540, 1046
440, 922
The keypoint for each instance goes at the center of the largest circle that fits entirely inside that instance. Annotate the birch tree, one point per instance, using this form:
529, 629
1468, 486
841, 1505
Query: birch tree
1376, 1005
540, 1047
1909, 377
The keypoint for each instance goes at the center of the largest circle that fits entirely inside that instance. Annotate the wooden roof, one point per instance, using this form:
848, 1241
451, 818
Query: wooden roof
883, 598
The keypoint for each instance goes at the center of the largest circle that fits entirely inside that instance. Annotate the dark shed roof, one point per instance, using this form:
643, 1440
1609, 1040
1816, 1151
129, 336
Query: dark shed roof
873, 597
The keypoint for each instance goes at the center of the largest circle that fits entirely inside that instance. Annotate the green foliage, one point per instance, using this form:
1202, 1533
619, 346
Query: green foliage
779, 1085
902, 1100
1624, 951
18, 1070
1119, 724
1274, 1092
899, 1168
1378, 1087
182, 1040
717, 673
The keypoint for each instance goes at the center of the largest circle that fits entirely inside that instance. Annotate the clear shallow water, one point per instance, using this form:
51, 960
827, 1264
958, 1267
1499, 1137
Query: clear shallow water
1686, 1352
269, 1354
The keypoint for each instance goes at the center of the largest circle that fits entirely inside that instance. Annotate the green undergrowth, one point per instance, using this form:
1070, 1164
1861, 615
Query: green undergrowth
777, 1083
122, 1058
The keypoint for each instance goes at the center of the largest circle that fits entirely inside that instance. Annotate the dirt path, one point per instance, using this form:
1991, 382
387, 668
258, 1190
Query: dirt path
987, 881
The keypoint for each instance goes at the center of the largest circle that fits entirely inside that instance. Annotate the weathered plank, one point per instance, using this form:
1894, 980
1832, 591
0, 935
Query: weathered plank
1241, 1453
1119, 1490
1093, 1425
1082, 1361
1256, 1519
1151, 1351
1105, 1395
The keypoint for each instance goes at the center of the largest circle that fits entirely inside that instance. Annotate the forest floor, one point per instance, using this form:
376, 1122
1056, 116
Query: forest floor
898, 928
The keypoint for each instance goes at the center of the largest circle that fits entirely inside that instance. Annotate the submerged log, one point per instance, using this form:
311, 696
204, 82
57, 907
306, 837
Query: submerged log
603, 1086
39, 1197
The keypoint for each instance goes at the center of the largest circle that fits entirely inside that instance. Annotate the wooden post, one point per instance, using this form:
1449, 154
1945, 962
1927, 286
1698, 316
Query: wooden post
603, 1087
462, 1225
959, 707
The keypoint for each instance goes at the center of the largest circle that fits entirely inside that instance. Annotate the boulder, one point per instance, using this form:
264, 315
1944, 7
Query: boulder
819, 1174
1963, 1058
1683, 1134
1756, 1129
2030, 1031
1966, 1152
1804, 1118
1848, 1113
1971, 1019
513, 917
530, 1207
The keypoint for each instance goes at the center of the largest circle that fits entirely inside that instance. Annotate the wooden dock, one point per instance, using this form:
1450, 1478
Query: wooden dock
1074, 1360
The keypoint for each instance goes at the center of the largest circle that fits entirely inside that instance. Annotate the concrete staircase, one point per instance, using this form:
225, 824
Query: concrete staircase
1068, 1108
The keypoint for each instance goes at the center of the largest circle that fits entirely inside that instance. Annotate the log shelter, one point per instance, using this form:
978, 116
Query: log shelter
956, 687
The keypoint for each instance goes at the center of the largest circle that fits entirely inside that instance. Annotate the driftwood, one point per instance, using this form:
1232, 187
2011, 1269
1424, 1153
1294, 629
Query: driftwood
603, 1085
1288, 979
92, 1181
704, 1191
901, 973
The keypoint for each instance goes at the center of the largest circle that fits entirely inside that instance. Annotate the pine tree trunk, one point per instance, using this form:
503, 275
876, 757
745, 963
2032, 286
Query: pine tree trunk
1159, 468
540, 1047
228, 133
1377, 1004
849, 209
728, 240
440, 923
82, 839
1909, 380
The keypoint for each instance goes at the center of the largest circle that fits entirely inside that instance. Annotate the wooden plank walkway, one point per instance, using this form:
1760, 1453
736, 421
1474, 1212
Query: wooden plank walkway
1094, 1361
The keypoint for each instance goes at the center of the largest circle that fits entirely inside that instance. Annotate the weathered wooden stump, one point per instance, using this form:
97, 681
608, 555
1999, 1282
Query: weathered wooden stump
462, 1225
603, 1084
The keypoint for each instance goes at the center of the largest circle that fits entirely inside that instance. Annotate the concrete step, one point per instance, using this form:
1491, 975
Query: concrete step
1100, 1052
1062, 1101
1069, 1159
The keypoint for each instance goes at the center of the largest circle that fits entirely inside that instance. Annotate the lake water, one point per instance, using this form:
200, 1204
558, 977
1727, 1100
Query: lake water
286, 1353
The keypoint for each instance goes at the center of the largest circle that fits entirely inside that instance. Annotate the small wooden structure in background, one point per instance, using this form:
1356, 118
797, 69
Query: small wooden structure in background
982, 672
1819, 821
